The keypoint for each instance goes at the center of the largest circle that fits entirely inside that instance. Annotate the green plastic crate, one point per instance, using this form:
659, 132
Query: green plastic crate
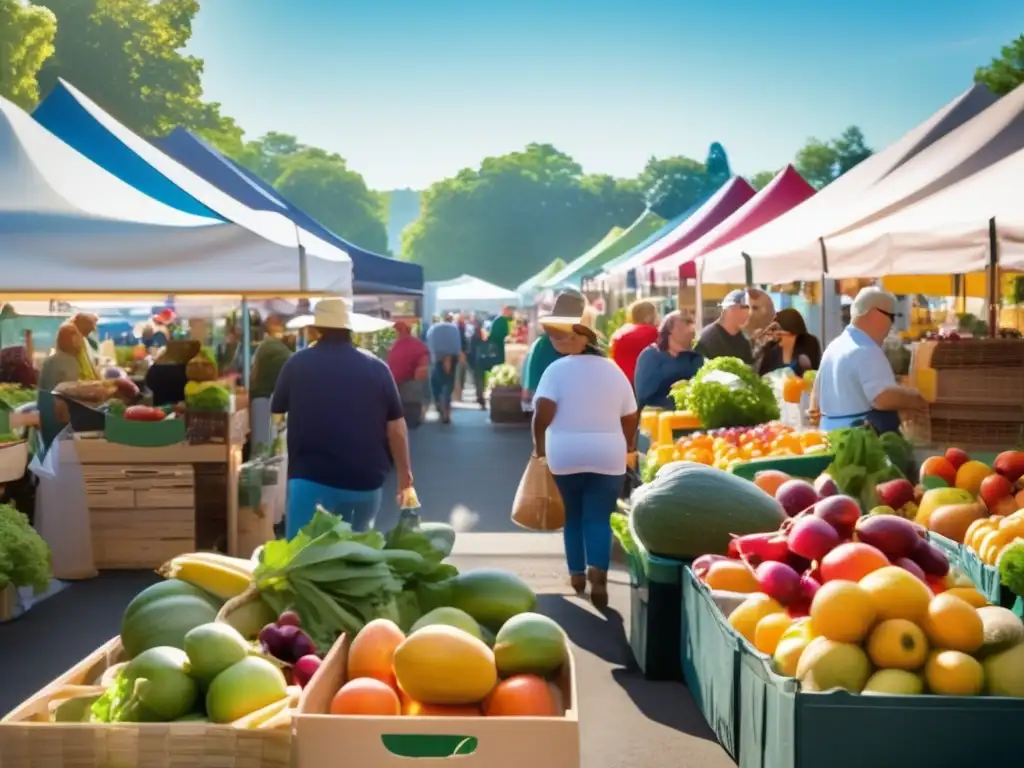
143, 434
780, 727
809, 466
985, 578
710, 652
953, 551
654, 606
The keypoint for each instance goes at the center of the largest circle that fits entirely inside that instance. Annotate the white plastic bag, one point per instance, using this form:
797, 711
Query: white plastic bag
62, 515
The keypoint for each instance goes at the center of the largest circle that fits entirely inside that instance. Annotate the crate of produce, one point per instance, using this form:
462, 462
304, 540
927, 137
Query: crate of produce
655, 606
974, 353
51, 729
203, 427
143, 434
710, 660
506, 406
395, 742
808, 466
997, 386
970, 427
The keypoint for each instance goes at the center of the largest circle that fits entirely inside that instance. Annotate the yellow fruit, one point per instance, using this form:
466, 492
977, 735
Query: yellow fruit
953, 624
731, 576
994, 541
791, 645
826, 664
897, 644
897, 593
953, 673
893, 682
940, 497
1004, 673
969, 595
439, 664
1013, 523
769, 631
978, 530
842, 611
747, 614
970, 474
219, 580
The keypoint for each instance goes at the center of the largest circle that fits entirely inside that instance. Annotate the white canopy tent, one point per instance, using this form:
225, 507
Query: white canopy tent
946, 233
70, 228
787, 248
471, 294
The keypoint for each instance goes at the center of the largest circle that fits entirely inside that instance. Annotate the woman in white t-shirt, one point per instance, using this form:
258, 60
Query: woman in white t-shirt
584, 425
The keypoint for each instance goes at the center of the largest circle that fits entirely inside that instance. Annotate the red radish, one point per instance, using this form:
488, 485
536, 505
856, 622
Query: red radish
809, 587
288, 619
825, 486
701, 564
894, 536
931, 559
302, 645
305, 668
909, 565
778, 581
841, 512
762, 546
812, 538
795, 496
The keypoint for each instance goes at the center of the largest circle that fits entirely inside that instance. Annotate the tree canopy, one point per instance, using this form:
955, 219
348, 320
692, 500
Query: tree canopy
1006, 71
822, 162
26, 41
761, 179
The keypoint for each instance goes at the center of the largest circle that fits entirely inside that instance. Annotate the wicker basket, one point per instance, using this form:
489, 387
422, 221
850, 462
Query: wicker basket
215, 427
29, 740
506, 405
975, 428
978, 353
996, 386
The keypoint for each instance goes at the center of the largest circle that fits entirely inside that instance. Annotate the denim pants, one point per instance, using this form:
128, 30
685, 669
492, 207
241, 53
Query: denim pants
357, 508
589, 500
443, 384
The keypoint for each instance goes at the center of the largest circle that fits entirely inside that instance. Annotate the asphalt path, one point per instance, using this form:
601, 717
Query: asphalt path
466, 471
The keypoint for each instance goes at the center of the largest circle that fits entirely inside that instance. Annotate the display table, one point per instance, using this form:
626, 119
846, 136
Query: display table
147, 505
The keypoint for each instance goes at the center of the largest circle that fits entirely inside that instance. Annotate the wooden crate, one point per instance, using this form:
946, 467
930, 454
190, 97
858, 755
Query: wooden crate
134, 539
29, 740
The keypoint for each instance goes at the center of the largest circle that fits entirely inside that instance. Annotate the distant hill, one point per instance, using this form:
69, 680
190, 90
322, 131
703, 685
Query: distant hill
403, 210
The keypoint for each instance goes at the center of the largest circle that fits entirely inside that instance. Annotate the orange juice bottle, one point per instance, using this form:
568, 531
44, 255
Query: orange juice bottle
649, 421
792, 389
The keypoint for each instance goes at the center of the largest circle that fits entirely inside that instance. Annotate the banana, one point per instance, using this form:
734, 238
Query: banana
261, 717
217, 579
236, 563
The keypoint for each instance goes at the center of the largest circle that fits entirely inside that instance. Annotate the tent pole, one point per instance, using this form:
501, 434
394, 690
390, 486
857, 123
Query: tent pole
822, 302
993, 279
246, 344
748, 270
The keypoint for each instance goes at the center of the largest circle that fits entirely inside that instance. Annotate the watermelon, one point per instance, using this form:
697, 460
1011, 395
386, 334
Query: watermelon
164, 622
489, 595
690, 509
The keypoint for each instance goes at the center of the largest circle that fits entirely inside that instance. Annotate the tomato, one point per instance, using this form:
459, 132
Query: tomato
144, 413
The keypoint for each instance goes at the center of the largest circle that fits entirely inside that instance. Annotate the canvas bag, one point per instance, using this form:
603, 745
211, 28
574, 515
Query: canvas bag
538, 505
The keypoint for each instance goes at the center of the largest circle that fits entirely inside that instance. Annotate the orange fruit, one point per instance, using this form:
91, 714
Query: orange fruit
366, 696
970, 476
852, 562
373, 651
939, 466
419, 709
522, 696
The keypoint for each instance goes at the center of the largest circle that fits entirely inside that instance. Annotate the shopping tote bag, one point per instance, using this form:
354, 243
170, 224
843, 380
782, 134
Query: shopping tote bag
538, 504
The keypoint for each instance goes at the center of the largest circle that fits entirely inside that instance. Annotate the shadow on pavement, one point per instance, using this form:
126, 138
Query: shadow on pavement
603, 636
667, 703
61, 631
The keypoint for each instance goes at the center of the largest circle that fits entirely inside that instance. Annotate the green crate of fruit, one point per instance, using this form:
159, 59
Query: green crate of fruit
782, 727
985, 578
710, 661
143, 434
655, 586
809, 466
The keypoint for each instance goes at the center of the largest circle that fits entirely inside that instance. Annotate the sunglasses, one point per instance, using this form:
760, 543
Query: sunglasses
891, 315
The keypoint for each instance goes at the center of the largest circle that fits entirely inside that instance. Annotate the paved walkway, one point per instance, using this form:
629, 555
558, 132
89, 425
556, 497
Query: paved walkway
469, 469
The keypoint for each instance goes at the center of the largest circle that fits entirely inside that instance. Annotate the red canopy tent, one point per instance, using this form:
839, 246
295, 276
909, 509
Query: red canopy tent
787, 190
730, 197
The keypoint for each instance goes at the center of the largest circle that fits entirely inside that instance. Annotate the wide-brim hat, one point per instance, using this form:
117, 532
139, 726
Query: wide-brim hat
335, 314
571, 312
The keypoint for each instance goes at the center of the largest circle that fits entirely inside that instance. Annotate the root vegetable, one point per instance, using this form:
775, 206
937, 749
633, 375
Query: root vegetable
812, 538
778, 581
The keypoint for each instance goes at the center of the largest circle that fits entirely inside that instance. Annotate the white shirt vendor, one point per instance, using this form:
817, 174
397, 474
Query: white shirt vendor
586, 433
853, 372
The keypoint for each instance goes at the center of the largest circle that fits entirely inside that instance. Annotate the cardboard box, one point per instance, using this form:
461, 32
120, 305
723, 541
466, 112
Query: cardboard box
322, 740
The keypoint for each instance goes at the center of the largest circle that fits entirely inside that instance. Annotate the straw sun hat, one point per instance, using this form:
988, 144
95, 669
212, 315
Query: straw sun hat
335, 313
572, 313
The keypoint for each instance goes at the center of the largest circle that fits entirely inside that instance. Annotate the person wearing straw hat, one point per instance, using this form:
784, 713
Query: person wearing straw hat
584, 427
345, 425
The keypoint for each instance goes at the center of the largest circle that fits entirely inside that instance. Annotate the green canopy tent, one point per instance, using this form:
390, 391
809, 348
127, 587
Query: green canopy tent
532, 285
613, 245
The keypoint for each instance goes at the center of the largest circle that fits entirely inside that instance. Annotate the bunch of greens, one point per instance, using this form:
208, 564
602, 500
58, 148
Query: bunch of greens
860, 462
504, 376
24, 556
679, 393
13, 396
209, 396
620, 527
338, 580
648, 468
112, 706
726, 392
1011, 568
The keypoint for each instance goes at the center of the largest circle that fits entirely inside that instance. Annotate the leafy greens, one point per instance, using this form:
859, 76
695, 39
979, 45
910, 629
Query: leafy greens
726, 392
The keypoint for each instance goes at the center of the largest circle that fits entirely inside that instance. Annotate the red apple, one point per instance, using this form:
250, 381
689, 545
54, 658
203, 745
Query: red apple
993, 489
957, 457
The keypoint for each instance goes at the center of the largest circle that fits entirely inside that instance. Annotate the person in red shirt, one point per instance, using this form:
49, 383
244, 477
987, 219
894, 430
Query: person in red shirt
638, 333
409, 361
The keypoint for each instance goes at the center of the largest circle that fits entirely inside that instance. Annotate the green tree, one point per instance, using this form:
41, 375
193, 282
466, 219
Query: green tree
324, 187
127, 55
761, 179
1005, 72
515, 214
716, 167
822, 162
26, 41
673, 184
851, 149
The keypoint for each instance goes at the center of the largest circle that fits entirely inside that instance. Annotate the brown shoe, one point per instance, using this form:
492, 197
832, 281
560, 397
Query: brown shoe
578, 581
598, 587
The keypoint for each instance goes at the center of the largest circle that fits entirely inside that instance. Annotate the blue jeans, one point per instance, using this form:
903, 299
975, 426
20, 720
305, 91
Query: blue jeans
442, 384
589, 500
357, 508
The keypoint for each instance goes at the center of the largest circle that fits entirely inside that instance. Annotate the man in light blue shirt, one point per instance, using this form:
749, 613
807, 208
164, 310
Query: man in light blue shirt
445, 343
855, 382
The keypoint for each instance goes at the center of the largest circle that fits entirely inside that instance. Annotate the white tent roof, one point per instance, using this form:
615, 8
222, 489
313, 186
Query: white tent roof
769, 246
68, 227
946, 233
472, 293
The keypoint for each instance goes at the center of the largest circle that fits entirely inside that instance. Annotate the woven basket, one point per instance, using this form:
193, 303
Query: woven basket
27, 740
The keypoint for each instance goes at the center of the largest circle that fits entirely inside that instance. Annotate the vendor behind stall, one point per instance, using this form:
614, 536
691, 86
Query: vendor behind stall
63, 363
270, 357
167, 377
86, 324
669, 359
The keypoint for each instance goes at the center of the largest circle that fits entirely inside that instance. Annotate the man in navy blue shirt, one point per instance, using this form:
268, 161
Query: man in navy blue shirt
345, 425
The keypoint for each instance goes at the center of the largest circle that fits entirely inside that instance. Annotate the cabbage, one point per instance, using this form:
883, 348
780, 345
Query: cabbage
726, 392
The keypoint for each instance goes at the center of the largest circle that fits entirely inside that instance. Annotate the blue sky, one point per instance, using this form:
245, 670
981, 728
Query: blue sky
411, 91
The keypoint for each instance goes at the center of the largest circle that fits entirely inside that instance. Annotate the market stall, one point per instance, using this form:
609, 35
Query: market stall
468, 294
